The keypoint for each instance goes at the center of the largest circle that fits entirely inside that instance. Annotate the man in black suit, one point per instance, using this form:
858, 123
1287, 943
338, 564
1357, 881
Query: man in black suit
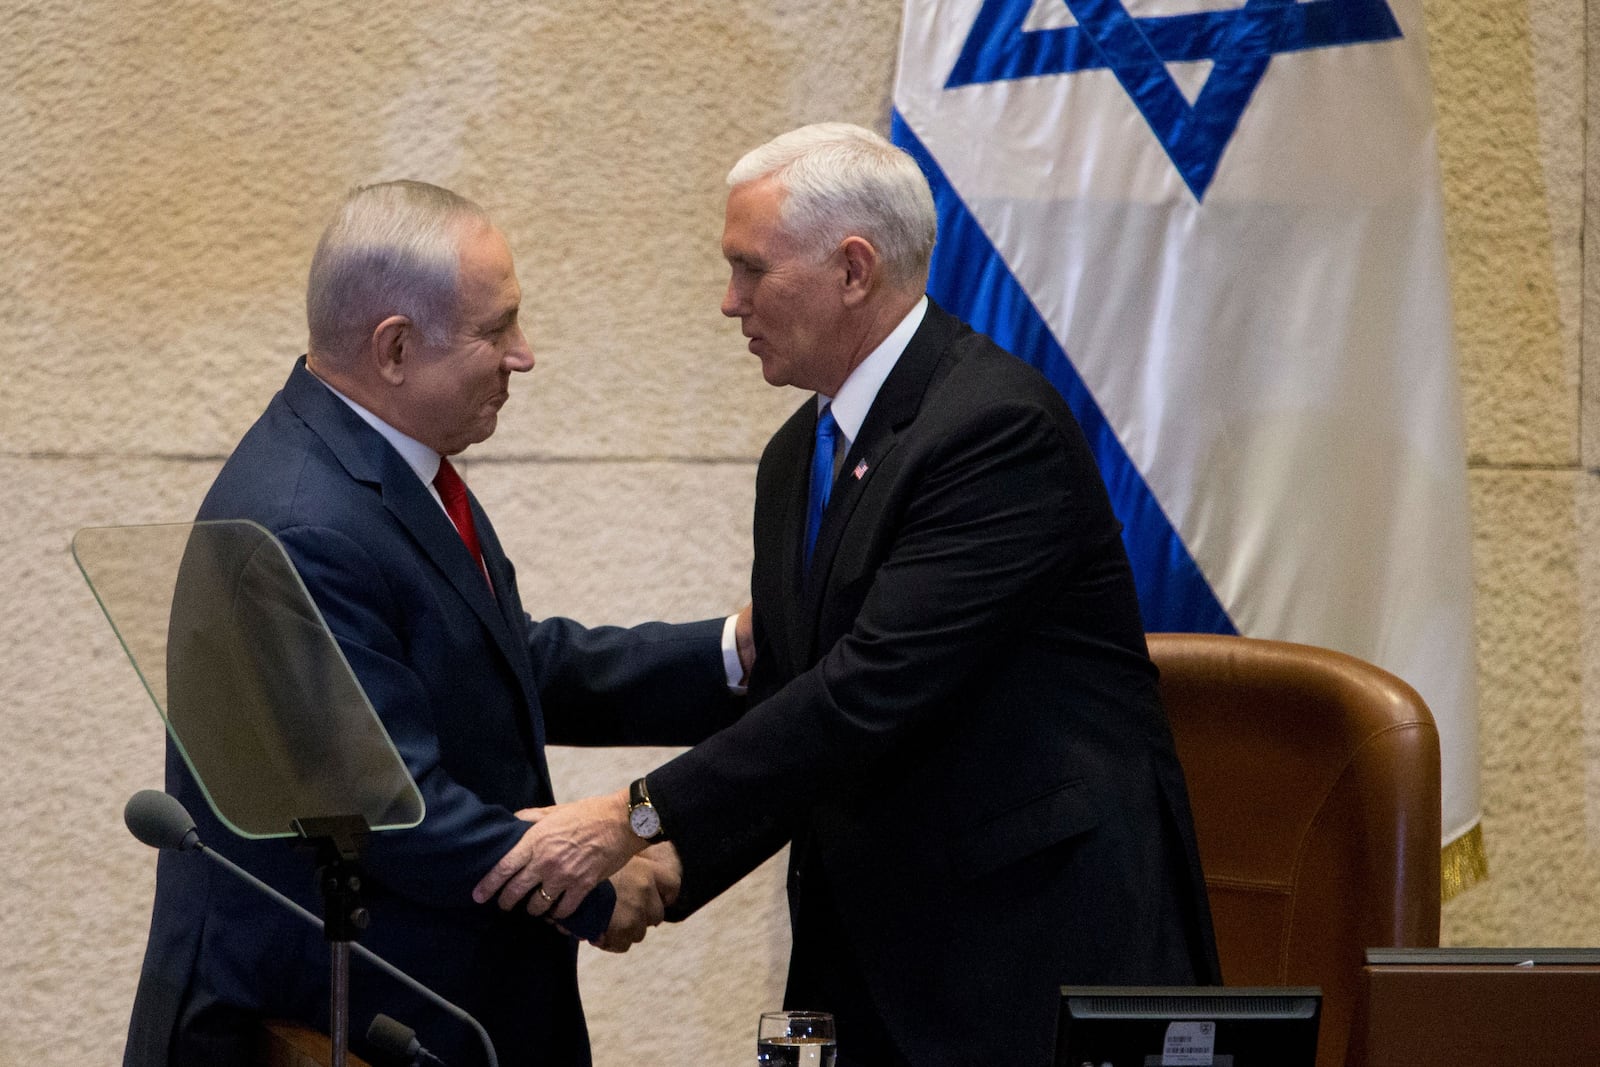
413, 309
954, 720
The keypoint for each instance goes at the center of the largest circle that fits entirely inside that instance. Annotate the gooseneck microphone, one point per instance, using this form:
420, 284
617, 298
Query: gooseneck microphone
398, 1042
161, 821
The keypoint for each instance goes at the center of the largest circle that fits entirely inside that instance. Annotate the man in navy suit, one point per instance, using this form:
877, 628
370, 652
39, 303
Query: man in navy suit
413, 308
954, 720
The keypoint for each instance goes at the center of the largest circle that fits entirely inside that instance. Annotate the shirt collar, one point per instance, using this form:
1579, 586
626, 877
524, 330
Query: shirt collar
418, 456
859, 390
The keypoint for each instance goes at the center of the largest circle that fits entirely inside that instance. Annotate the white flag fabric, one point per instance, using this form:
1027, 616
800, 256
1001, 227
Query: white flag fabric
1216, 225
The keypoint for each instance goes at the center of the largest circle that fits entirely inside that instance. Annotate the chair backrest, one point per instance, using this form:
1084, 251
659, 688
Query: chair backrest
1314, 778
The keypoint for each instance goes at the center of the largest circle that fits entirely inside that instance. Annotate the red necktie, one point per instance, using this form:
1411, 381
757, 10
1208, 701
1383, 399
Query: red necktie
453, 491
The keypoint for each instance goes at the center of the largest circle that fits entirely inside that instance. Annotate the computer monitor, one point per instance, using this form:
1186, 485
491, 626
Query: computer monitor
1187, 1026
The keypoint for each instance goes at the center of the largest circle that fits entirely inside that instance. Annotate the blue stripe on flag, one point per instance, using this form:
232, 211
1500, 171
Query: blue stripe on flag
999, 48
970, 278
1241, 43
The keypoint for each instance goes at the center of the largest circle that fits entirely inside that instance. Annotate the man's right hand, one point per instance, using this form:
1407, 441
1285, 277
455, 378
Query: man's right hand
645, 887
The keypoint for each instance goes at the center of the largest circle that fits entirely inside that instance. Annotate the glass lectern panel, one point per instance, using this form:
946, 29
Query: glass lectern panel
255, 692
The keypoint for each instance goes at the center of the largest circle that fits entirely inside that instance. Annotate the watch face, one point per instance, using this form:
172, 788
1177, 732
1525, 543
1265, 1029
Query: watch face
646, 823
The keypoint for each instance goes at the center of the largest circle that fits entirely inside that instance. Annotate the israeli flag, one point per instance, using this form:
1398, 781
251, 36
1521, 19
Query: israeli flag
1216, 226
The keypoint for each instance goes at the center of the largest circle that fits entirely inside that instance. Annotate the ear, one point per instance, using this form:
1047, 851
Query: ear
387, 348
860, 269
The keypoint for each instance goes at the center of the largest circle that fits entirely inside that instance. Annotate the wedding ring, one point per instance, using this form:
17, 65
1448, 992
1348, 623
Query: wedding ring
548, 899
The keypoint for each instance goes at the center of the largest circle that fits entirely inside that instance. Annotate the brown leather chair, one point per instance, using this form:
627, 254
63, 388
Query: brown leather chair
1314, 779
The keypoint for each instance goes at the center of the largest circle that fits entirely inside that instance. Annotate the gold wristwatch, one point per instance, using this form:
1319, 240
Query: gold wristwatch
642, 815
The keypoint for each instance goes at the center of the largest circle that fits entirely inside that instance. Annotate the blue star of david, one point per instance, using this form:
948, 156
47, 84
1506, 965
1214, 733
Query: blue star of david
1240, 43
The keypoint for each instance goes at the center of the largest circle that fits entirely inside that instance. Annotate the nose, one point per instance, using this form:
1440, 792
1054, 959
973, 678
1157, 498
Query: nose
519, 357
732, 301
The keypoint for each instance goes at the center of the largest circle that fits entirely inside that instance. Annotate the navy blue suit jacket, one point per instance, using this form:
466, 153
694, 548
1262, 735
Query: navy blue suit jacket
470, 689
955, 720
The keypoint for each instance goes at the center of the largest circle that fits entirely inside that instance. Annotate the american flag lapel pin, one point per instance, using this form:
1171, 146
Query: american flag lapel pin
861, 469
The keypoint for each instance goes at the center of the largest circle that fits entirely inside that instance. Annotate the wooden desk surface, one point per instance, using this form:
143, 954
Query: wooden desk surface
287, 1044
1451, 1015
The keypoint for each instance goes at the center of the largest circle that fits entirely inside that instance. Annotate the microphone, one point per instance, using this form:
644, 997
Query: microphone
397, 1041
161, 821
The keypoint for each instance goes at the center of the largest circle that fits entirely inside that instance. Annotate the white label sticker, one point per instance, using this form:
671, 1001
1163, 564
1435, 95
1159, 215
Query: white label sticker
1189, 1043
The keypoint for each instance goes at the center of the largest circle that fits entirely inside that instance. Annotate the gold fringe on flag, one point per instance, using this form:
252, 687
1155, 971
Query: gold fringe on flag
1463, 863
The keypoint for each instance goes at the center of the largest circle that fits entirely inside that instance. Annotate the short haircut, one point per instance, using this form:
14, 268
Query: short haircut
393, 248
841, 180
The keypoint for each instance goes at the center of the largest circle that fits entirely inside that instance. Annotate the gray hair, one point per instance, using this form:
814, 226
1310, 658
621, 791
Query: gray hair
392, 249
842, 180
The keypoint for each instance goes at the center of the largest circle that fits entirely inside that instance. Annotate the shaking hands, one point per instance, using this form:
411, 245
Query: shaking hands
568, 850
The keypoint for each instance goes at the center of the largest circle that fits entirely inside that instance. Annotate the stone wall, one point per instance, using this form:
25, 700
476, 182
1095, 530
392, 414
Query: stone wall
167, 168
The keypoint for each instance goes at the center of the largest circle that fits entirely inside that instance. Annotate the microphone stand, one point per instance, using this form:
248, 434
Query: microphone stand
360, 950
337, 840
160, 821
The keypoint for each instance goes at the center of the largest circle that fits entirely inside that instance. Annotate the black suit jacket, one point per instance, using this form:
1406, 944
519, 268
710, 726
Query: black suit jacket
470, 689
955, 721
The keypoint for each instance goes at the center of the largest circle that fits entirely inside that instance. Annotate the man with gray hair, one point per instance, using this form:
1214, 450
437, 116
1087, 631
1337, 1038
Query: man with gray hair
954, 720
413, 308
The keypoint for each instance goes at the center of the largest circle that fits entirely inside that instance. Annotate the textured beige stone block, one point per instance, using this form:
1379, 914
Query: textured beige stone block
175, 165
1534, 538
623, 542
81, 736
1590, 317
1510, 203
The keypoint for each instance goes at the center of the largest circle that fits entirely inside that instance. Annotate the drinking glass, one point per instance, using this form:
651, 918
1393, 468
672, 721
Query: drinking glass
795, 1039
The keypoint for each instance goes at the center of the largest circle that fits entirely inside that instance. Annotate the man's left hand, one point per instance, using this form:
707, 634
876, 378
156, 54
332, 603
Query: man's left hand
568, 850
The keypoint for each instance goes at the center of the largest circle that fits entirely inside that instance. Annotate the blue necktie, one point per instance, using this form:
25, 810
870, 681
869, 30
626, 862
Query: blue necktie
821, 477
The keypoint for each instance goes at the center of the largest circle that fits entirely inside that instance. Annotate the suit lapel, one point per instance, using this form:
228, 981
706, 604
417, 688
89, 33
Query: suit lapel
508, 607
501, 575
369, 459
892, 410
790, 455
